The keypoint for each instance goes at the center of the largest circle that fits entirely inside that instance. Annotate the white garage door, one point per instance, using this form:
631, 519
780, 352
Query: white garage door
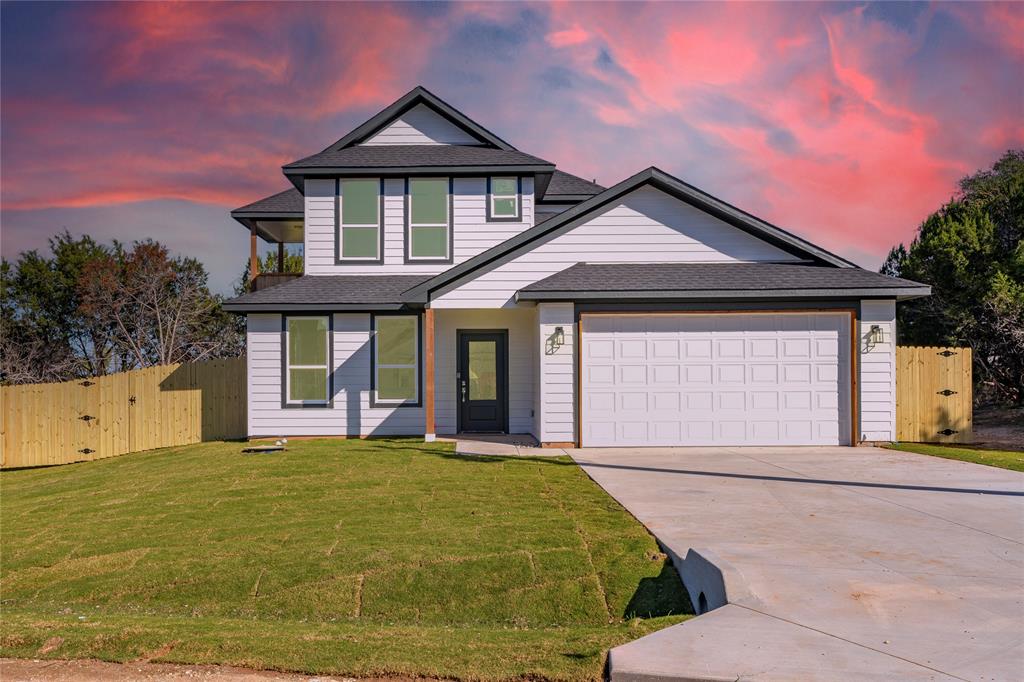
716, 379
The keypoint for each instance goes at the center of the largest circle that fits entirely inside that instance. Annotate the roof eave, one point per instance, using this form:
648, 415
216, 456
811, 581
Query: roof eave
298, 307
389, 171
899, 293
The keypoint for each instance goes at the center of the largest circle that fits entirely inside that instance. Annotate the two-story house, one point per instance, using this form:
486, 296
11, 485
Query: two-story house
455, 284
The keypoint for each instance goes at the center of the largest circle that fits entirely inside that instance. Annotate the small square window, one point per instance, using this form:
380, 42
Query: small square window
503, 199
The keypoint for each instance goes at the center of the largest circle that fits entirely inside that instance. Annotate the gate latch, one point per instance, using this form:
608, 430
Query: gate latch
947, 432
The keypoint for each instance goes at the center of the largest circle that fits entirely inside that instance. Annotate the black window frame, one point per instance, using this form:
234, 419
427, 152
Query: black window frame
407, 245
518, 217
420, 360
338, 259
285, 402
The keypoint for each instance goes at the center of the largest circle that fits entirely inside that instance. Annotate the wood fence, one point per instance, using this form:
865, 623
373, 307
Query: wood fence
127, 412
933, 394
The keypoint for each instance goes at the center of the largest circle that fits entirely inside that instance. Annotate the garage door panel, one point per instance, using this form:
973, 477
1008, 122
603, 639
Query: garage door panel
665, 375
631, 349
760, 379
729, 349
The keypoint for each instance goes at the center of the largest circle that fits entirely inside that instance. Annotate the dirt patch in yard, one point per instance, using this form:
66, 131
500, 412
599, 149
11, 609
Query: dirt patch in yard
18, 670
999, 428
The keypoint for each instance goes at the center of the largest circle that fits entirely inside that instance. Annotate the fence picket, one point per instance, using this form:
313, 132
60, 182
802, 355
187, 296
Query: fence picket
174, 405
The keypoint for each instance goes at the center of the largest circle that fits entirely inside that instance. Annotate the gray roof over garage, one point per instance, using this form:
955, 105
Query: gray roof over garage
716, 280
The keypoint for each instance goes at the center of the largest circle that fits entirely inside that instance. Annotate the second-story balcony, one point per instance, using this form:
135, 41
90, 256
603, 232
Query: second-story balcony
265, 280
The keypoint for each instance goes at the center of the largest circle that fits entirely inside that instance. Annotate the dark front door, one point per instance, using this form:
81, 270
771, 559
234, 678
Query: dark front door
482, 381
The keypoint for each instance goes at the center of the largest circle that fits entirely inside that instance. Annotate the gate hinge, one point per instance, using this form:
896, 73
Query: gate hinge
87, 383
946, 353
947, 432
946, 392
87, 451
86, 417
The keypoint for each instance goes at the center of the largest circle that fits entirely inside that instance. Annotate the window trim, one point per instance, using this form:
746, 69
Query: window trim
409, 259
286, 402
339, 259
518, 217
418, 402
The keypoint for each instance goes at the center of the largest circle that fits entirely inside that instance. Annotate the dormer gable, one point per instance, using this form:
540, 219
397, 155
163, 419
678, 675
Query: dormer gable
422, 125
420, 117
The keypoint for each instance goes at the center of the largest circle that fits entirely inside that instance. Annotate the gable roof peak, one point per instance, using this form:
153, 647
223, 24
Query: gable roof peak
419, 95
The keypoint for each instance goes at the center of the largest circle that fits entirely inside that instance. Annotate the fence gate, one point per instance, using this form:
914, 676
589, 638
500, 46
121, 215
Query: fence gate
111, 415
933, 394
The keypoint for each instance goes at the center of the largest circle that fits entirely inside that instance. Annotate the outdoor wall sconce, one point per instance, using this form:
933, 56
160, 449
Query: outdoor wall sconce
555, 341
873, 338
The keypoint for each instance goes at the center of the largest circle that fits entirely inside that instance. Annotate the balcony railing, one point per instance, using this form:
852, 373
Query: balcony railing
265, 280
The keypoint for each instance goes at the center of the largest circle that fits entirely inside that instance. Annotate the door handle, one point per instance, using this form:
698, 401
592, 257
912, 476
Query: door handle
463, 382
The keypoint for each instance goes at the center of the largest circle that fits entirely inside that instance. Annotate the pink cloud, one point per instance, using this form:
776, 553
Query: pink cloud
573, 35
821, 118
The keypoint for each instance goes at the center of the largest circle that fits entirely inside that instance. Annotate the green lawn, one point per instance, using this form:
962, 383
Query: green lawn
1004, 459
346, 557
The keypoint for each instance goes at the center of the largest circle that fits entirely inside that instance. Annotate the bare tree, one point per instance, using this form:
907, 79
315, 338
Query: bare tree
160, 306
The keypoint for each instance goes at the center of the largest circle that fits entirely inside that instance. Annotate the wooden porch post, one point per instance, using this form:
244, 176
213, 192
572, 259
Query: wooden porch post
428, 358
254, 257
280, 256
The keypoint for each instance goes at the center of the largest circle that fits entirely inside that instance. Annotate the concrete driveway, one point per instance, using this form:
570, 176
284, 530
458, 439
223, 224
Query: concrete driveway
827, 563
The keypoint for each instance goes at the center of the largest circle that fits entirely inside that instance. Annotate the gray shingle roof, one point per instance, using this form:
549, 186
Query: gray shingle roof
288, 201
714, 280
328, 292
412, 155
563, 183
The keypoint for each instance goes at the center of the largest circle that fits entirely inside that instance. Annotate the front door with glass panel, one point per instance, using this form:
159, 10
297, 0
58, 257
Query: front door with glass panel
481, 381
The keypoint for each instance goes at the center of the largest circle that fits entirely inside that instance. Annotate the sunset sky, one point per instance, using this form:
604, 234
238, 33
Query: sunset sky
845, 123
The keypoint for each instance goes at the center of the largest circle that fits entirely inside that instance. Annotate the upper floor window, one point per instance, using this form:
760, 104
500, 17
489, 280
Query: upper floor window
503, 199
429, 211
360, 219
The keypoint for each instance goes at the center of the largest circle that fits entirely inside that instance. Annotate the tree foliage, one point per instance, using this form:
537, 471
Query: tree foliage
971, 252
268, 264
89, 309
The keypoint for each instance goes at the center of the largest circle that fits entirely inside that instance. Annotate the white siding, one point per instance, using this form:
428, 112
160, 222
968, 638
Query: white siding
647, 226
878, 372
522, 363
350, 413
556, 394
473, 233
421, 125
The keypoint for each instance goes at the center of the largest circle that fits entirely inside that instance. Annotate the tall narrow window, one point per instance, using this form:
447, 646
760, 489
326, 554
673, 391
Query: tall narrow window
428, 219
396, 359
360, 219
307, 340
503, 199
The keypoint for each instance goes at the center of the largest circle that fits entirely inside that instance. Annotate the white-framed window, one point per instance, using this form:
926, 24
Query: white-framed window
429, 219
396, 348
359, 219
307, 375
503, 198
